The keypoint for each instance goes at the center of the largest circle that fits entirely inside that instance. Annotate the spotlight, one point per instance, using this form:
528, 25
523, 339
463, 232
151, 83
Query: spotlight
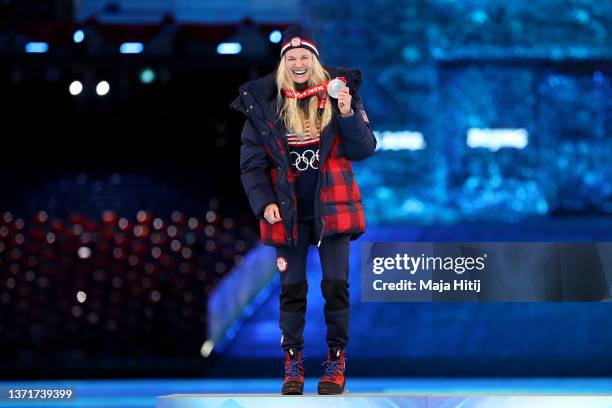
84, 252
229, 48
78, 36
75, 88
81, 296
207, 348
131, 48
147, 76
102, 88
275, 36
36, 47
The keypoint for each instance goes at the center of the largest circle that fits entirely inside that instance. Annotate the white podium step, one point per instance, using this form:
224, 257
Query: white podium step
381, 400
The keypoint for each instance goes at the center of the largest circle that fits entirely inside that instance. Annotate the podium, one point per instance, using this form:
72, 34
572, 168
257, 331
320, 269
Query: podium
347, 400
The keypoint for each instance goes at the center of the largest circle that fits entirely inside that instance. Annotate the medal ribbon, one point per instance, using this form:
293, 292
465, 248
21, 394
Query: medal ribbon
313, 90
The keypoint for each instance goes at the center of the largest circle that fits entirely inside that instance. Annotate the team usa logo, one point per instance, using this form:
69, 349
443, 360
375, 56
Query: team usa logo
281, 264
295, 41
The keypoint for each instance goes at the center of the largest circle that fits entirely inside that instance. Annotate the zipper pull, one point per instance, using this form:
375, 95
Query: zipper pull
319, 244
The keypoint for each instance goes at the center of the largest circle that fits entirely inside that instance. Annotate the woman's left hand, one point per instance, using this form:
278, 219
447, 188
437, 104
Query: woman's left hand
344, 101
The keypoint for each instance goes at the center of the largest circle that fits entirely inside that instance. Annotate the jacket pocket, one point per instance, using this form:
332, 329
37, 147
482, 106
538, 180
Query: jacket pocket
338, 181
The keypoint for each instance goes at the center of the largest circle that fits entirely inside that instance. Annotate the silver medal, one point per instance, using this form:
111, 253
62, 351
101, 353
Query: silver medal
334, 86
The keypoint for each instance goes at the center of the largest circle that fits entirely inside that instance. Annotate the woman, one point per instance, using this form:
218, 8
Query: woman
297, 144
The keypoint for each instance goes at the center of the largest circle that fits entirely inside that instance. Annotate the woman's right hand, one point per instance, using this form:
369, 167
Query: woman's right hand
272, 213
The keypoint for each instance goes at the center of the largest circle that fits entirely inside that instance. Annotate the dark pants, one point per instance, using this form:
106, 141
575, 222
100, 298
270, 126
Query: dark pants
291, 264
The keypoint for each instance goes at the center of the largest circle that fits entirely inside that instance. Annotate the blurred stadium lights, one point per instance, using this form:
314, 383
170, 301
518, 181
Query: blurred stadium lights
84, 252
147, 76
229, 48
494, 139
131, 48
400, 140
102, 88
166, 38
75, 88
275, 36
78, 36
207, 348
81, 296
36, 47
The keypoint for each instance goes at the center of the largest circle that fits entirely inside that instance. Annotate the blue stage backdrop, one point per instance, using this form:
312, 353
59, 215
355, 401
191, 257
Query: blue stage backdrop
484, 109
494, 121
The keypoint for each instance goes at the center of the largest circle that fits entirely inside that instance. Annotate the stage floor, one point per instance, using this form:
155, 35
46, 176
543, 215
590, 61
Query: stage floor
143, 393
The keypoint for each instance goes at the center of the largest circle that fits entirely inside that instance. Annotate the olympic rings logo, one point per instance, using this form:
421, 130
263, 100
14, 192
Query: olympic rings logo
306, 160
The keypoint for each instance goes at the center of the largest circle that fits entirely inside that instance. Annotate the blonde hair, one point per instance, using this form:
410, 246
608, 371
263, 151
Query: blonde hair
288, 109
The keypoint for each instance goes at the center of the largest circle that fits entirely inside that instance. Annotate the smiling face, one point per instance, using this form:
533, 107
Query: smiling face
299, 64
